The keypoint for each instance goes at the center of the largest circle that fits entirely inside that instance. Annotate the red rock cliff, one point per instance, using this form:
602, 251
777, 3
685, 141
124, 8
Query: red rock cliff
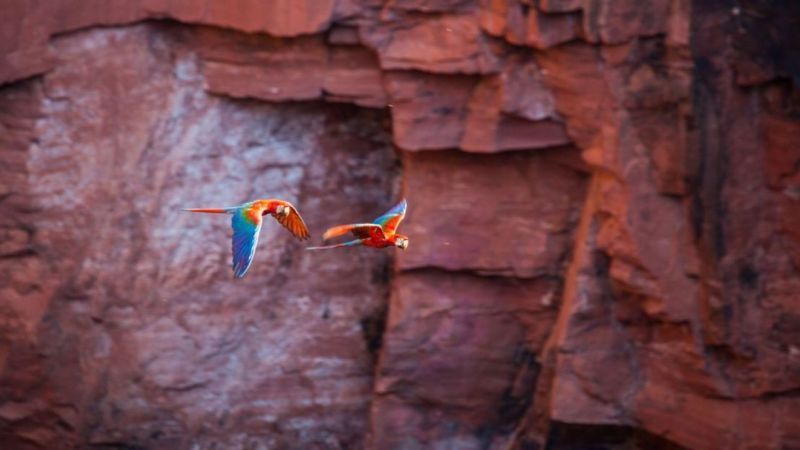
604, 222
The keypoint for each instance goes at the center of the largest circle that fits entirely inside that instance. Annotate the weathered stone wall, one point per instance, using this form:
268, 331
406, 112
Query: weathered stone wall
121, 321
604, 220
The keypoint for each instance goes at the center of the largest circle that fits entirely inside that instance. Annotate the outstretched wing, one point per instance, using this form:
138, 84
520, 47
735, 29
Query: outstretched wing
293, 222
392, 218
345, 244
246, 225
359, 230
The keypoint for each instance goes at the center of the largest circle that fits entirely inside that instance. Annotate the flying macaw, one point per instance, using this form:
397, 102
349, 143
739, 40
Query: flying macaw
379, 234
246, 222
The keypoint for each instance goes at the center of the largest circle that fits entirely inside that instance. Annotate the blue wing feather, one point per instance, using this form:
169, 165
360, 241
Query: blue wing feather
245, 238
398, 209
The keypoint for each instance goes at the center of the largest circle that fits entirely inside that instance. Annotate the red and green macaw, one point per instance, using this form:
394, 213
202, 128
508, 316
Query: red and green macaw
246, 222
378, 234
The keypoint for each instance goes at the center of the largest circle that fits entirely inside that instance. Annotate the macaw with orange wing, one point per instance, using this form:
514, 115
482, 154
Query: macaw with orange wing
378, 234
246, 222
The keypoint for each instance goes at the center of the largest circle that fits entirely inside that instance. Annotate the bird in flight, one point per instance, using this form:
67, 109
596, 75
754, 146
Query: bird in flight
246, 222
378, 234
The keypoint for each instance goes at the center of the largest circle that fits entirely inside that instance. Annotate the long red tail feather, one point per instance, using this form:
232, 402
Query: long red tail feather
207, 210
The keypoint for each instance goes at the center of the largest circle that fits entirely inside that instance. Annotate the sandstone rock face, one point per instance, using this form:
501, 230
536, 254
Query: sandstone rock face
458, 366
529, 200
604, 220
172, 354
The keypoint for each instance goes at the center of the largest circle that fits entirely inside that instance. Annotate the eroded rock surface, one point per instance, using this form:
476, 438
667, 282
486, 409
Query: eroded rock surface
127, 326
604, 202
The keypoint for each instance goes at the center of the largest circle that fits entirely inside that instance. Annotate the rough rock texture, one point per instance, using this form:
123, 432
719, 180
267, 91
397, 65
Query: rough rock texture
126, 327
523, 197
458, 366
604, 220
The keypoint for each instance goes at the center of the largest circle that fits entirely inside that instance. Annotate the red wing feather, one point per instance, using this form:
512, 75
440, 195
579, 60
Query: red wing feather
294, 223
391, 219
359, 230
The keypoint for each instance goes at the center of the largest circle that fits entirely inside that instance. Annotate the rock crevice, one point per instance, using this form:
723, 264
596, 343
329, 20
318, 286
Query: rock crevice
604, 200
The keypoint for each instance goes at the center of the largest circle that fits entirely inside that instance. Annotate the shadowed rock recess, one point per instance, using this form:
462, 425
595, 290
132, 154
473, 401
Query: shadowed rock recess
604, 220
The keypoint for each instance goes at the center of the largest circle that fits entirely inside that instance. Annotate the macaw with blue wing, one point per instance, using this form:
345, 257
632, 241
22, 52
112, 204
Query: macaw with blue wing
246, 221
380, 233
